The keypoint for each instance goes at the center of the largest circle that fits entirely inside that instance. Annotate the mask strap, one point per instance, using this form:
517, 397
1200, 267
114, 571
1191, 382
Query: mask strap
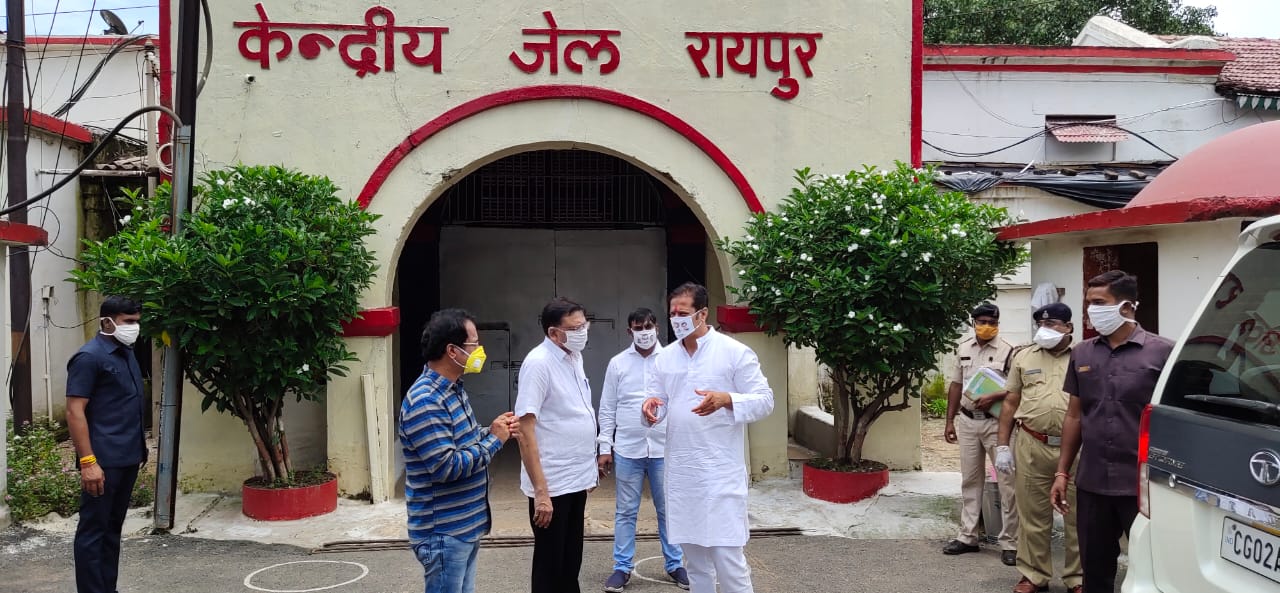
114, 326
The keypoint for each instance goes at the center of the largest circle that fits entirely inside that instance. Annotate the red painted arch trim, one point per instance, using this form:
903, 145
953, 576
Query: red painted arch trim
12, 233
1197, 210
548, 92
917, 81
378, 322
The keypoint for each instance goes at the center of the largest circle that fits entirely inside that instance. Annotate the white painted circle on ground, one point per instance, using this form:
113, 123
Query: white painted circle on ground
364, 572
635, 572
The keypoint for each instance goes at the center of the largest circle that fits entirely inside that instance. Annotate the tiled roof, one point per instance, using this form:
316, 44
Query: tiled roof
1256, 69
1088, 133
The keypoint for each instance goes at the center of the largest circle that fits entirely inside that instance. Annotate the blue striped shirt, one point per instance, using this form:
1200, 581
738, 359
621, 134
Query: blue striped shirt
446, 456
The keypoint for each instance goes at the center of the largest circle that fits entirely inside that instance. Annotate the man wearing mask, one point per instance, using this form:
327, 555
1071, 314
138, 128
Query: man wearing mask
1032, 414
708, 387
105, 405
1110, 380
976, 430
447, 455
635, 451
557, 445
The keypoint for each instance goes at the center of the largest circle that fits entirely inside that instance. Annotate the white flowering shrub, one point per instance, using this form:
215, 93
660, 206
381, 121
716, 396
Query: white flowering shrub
253, 293
876, 270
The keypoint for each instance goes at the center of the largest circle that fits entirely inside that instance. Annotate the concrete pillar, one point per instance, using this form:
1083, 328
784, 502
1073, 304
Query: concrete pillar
802, 381
767, 438
4, 388
347, 422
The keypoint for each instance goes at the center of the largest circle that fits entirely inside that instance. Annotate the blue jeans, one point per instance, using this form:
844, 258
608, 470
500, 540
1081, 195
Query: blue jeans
629, 475
448, 564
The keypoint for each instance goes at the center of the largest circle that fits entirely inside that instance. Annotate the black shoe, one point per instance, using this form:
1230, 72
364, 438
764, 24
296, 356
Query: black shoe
1009, 557
956, 547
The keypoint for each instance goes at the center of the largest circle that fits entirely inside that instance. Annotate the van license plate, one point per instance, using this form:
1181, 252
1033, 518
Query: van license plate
1251, 548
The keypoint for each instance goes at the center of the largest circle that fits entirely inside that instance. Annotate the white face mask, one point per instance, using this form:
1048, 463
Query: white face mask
125, 334
576, 340
683, 326
1107, 318
1048, 338
645, 338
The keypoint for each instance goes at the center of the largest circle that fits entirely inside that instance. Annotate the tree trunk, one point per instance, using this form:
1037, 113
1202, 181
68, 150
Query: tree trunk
259, 439
842, 402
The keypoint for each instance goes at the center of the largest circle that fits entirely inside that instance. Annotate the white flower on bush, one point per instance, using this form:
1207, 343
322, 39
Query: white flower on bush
777, 292
848, 208
864, 232
125, 220
893, 242
227, 203
305, 368
852, 248
926, 257
222, 182
959, 233
742, 272
897, 327
249, 202
903, 254
806, 257
851, 315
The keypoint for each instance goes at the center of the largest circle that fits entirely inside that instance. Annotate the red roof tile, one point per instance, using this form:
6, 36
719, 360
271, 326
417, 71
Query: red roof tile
1256, 69
1088, 133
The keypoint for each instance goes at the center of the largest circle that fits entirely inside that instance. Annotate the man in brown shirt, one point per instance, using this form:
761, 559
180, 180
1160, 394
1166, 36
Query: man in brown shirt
973, 426
1110, 380
1032, 418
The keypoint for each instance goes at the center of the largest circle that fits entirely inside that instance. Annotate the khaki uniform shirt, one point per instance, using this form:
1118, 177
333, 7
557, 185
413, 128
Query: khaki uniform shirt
1037, 375
970, 357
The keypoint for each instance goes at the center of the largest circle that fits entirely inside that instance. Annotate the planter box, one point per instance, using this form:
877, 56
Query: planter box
286, 504
842, 487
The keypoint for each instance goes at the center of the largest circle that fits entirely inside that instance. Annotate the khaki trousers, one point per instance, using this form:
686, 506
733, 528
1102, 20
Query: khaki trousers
1035, 464
977, 445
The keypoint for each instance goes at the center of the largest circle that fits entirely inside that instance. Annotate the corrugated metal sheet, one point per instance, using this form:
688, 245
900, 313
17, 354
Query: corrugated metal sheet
1087, 133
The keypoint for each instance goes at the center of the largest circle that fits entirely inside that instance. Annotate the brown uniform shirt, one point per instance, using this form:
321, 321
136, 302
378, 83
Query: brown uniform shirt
970, 357
1114, 386
1037, 376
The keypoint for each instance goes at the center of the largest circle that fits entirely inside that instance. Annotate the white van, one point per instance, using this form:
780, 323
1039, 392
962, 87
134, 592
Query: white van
1209, 443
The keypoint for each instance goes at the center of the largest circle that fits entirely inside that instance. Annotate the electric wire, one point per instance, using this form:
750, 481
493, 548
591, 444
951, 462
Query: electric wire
88, 160
79, 92
1046, 130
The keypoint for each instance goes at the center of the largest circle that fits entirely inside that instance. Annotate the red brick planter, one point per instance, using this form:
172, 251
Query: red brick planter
286, 504
842, 487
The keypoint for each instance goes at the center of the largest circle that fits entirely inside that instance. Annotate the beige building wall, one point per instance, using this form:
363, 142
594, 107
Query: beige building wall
318, 116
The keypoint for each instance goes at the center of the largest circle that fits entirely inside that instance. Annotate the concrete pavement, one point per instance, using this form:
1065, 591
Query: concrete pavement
38, 562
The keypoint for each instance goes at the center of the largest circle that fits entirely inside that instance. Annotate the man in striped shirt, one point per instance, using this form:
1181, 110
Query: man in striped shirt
447, 455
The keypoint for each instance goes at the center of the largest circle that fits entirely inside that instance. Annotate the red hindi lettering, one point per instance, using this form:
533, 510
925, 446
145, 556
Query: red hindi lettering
550, 47
376, 56
368, 62
733, 53
264, 31
699, 54
549, 51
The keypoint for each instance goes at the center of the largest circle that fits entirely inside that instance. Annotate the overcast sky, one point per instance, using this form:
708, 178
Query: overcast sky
1239, 18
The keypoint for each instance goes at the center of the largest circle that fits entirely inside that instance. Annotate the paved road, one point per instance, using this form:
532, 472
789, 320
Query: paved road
36, 562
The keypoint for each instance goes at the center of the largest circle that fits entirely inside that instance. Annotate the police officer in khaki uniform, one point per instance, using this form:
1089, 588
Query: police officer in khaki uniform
1031, 417
971, 425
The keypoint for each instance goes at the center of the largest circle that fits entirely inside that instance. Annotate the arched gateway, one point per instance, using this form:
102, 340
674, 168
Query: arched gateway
439, 116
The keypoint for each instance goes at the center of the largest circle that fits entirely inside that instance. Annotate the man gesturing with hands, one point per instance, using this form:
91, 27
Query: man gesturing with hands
712, 386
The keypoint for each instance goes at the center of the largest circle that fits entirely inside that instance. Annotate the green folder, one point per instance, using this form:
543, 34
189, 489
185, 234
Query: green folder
983, 382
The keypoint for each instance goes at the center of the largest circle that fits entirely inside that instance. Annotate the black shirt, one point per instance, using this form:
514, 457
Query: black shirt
1114, 386
106, 373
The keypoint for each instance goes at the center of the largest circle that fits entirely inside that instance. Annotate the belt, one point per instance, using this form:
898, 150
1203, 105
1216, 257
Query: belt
1051, 440
976, 414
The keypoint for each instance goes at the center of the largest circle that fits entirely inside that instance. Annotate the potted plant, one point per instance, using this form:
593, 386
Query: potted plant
253, 293
876, 270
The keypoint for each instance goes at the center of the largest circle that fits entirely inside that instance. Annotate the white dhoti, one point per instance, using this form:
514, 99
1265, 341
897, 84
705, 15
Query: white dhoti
727, 564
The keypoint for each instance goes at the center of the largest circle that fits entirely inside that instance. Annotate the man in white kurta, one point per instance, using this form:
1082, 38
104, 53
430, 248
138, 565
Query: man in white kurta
708, 387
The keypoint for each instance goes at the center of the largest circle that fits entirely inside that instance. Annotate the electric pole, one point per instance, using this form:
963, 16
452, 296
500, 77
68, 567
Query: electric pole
19, 262
187, 74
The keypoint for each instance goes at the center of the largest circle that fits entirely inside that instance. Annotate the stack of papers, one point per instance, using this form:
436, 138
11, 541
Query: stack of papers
983, 382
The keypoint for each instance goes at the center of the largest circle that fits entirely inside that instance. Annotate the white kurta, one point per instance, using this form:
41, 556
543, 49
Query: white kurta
706, 470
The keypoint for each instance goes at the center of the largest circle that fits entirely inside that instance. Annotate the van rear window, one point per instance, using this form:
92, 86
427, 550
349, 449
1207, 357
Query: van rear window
1230, 364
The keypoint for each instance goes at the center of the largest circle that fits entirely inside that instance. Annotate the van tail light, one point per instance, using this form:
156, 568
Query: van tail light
1144, 483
